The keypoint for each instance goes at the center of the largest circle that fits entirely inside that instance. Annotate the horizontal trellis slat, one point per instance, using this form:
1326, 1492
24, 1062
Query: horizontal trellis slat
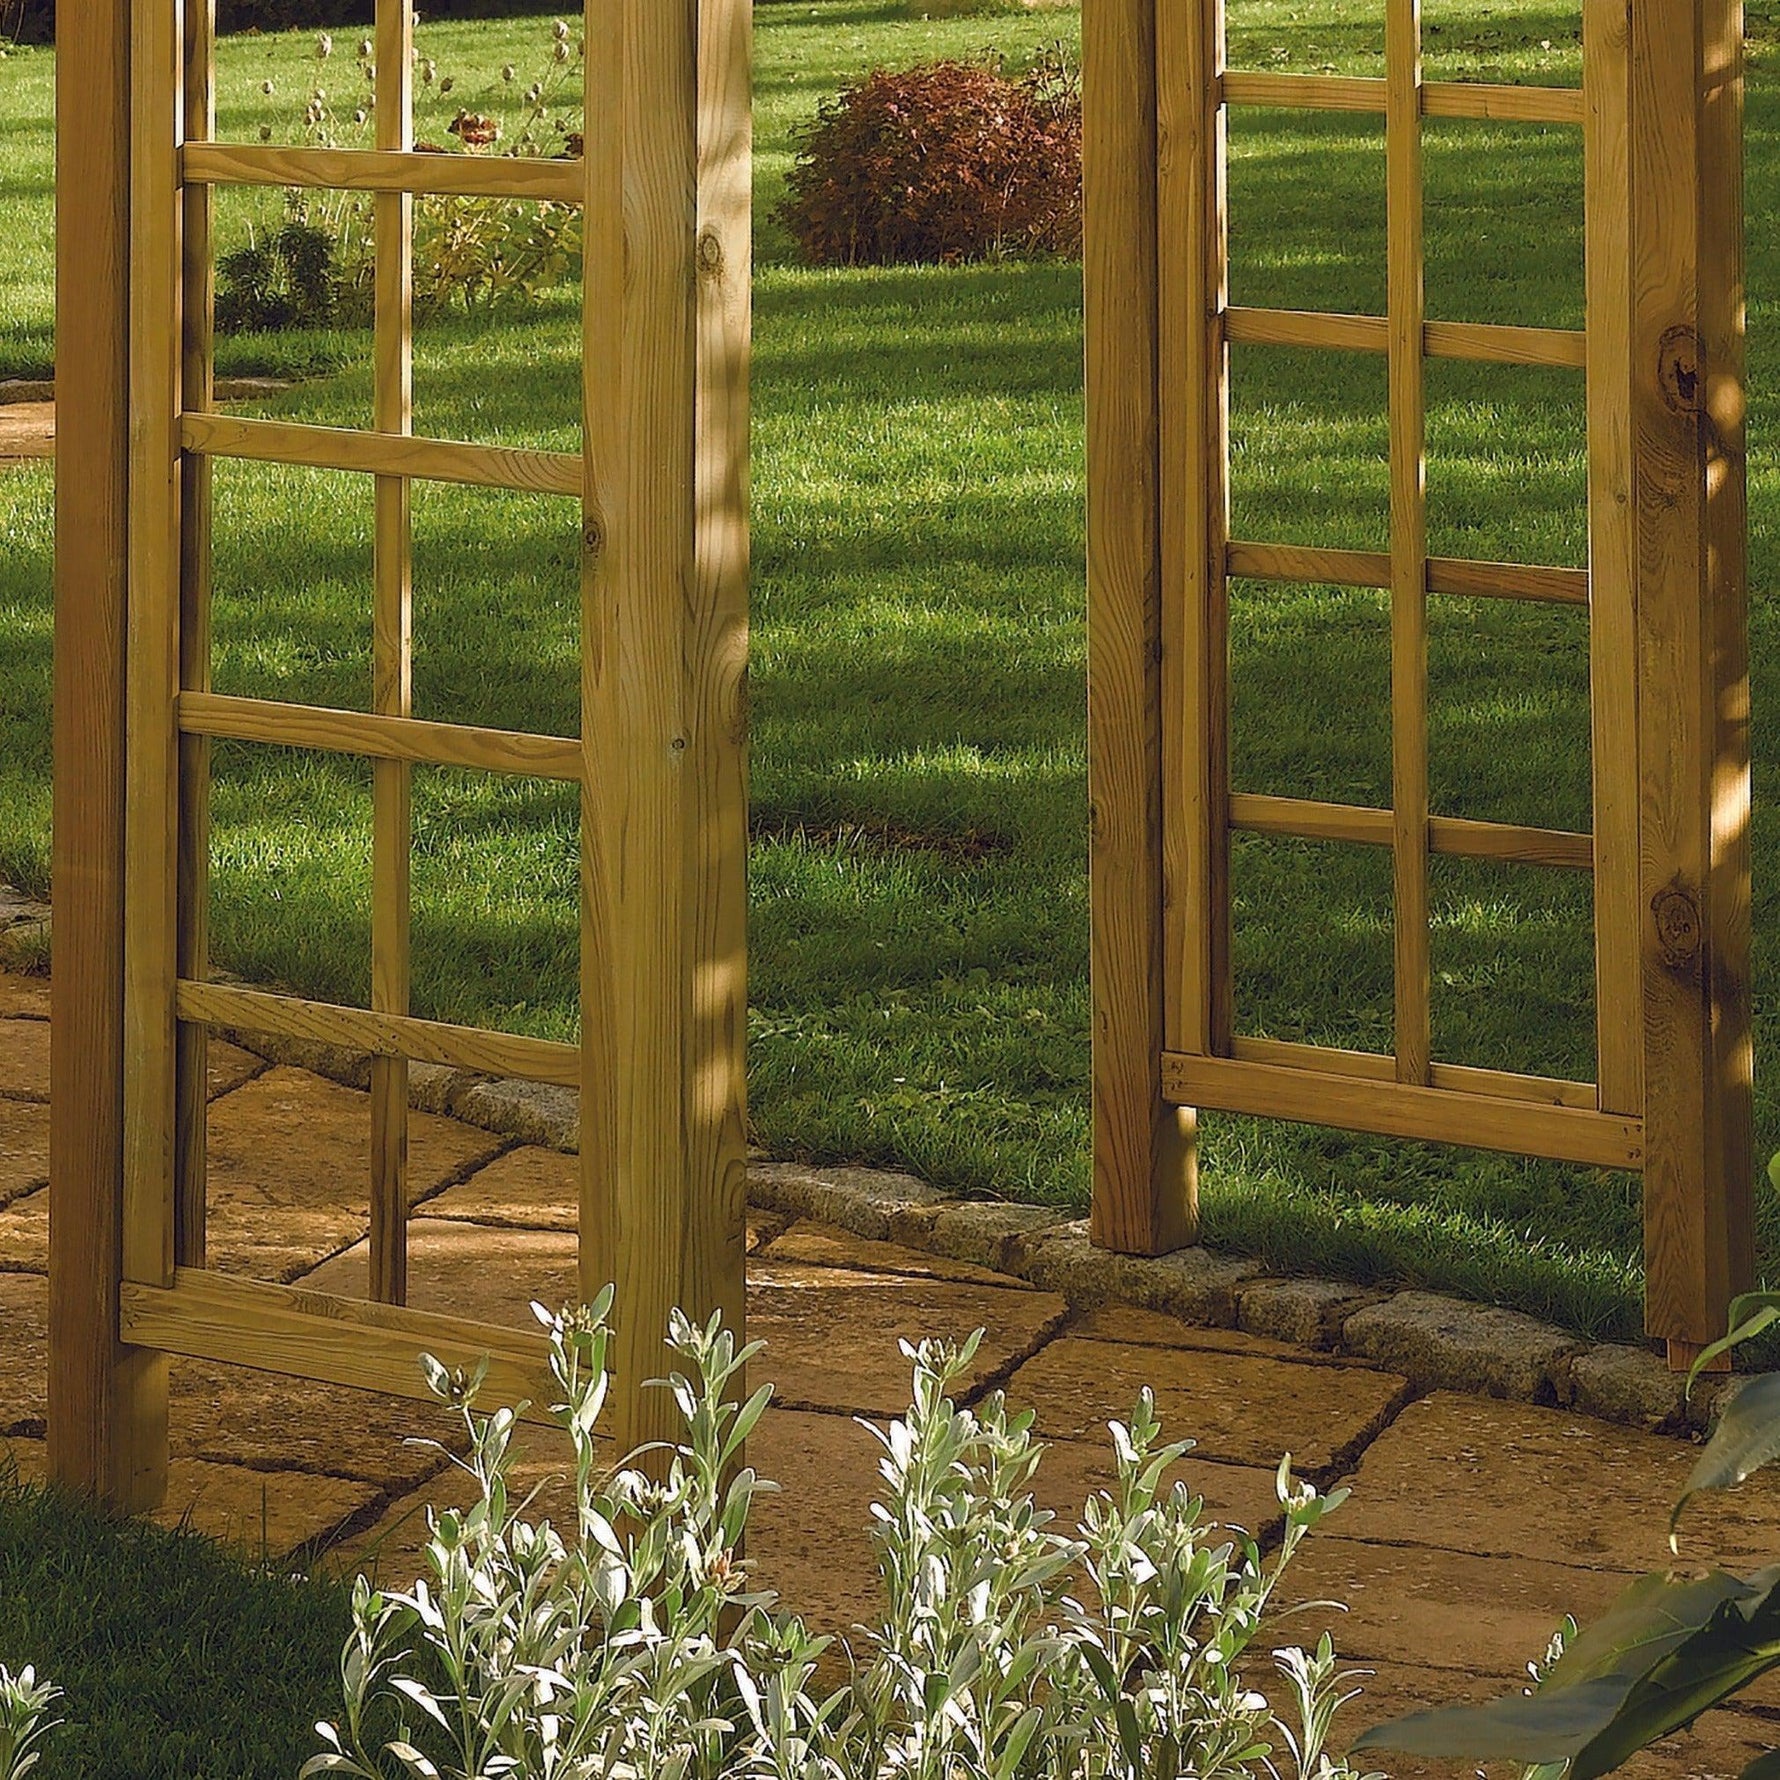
1398, 1109
1479, 342
1298, 818
1322, 564
332, 1340
1440, 98
524, 178
1375, 1066
381, 454
378, 737
381, 1035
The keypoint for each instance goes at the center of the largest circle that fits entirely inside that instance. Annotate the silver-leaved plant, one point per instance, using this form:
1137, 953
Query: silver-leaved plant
635, 1645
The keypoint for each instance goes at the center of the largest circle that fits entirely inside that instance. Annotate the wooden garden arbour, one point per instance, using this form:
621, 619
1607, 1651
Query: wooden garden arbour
660, 761
1660, 114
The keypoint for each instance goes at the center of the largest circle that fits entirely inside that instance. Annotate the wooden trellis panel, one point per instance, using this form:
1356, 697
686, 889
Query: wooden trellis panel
1659, 112
660, 760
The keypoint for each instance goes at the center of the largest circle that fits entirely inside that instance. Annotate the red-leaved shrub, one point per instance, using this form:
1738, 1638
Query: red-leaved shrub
944, 162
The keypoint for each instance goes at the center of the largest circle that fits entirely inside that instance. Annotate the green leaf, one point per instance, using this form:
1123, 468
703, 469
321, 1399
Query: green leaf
1747, 1438
1549, 1726
1740, 1642
1764, 1767
1588, 1686
1751, 1314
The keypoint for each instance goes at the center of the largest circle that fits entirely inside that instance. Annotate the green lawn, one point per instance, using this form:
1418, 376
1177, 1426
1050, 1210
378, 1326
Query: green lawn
919, 873
176, 1661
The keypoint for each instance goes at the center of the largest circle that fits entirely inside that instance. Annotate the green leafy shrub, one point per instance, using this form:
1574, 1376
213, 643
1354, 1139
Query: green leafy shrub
318, 269
25, 1703
939, 164
291, 279
637, 1643
1670, 1648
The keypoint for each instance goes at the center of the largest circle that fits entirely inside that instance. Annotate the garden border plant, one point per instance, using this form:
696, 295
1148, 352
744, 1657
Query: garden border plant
635, 1644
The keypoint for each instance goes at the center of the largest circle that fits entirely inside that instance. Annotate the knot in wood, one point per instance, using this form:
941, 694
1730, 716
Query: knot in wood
1678, 371
1678, 930
593, 537
710, 253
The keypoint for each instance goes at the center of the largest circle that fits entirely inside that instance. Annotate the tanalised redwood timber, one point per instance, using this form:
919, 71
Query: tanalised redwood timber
107, 1402
1660, 113
1145, 1150
660, 762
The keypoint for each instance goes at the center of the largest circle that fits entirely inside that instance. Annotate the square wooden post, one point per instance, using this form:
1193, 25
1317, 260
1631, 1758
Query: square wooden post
665, 643
107, 1402
1687, 399
1145, 1150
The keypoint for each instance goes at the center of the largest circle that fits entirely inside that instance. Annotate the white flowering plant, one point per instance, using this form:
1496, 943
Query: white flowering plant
638, 1642
25, 1705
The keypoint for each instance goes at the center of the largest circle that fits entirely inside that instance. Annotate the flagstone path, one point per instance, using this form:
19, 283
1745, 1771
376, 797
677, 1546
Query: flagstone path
1474, 1525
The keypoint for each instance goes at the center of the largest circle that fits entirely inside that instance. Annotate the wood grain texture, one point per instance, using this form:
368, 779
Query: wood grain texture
1687, 403
197, 390
392, 656
1145, 1152
1193, 420
382, 454
1320, 564
152, 781
1409, 536
379, 170
1400, 1109
1437, 98
664, 644
1613, 620
1508, 581
1456, 836
381, 1035
714, 1269
1456, 1078
1518, 104
381, 738
1479, 342
343, 1341
107, 1400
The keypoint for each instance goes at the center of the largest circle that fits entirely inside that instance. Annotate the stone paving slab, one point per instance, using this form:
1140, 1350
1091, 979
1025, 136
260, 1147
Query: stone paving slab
24, 1060
267, 1423
24, 1332
24, 1149
289, 1175
1470, 1475
528, 1188
23, 995
1446, 1610
813, 1244
832, 1332
1241, 1408
265, 1515
27, 431
1126, 1324
24, 1233
488, 1274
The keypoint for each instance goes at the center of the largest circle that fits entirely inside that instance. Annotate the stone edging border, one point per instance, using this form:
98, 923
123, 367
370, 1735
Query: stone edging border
18, 390
1436, 1342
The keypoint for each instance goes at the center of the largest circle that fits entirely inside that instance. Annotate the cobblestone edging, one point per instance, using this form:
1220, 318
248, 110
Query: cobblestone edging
16, 391
1436, 1342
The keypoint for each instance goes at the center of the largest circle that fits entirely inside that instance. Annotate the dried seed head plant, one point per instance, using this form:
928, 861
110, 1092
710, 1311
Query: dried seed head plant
638, 1642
